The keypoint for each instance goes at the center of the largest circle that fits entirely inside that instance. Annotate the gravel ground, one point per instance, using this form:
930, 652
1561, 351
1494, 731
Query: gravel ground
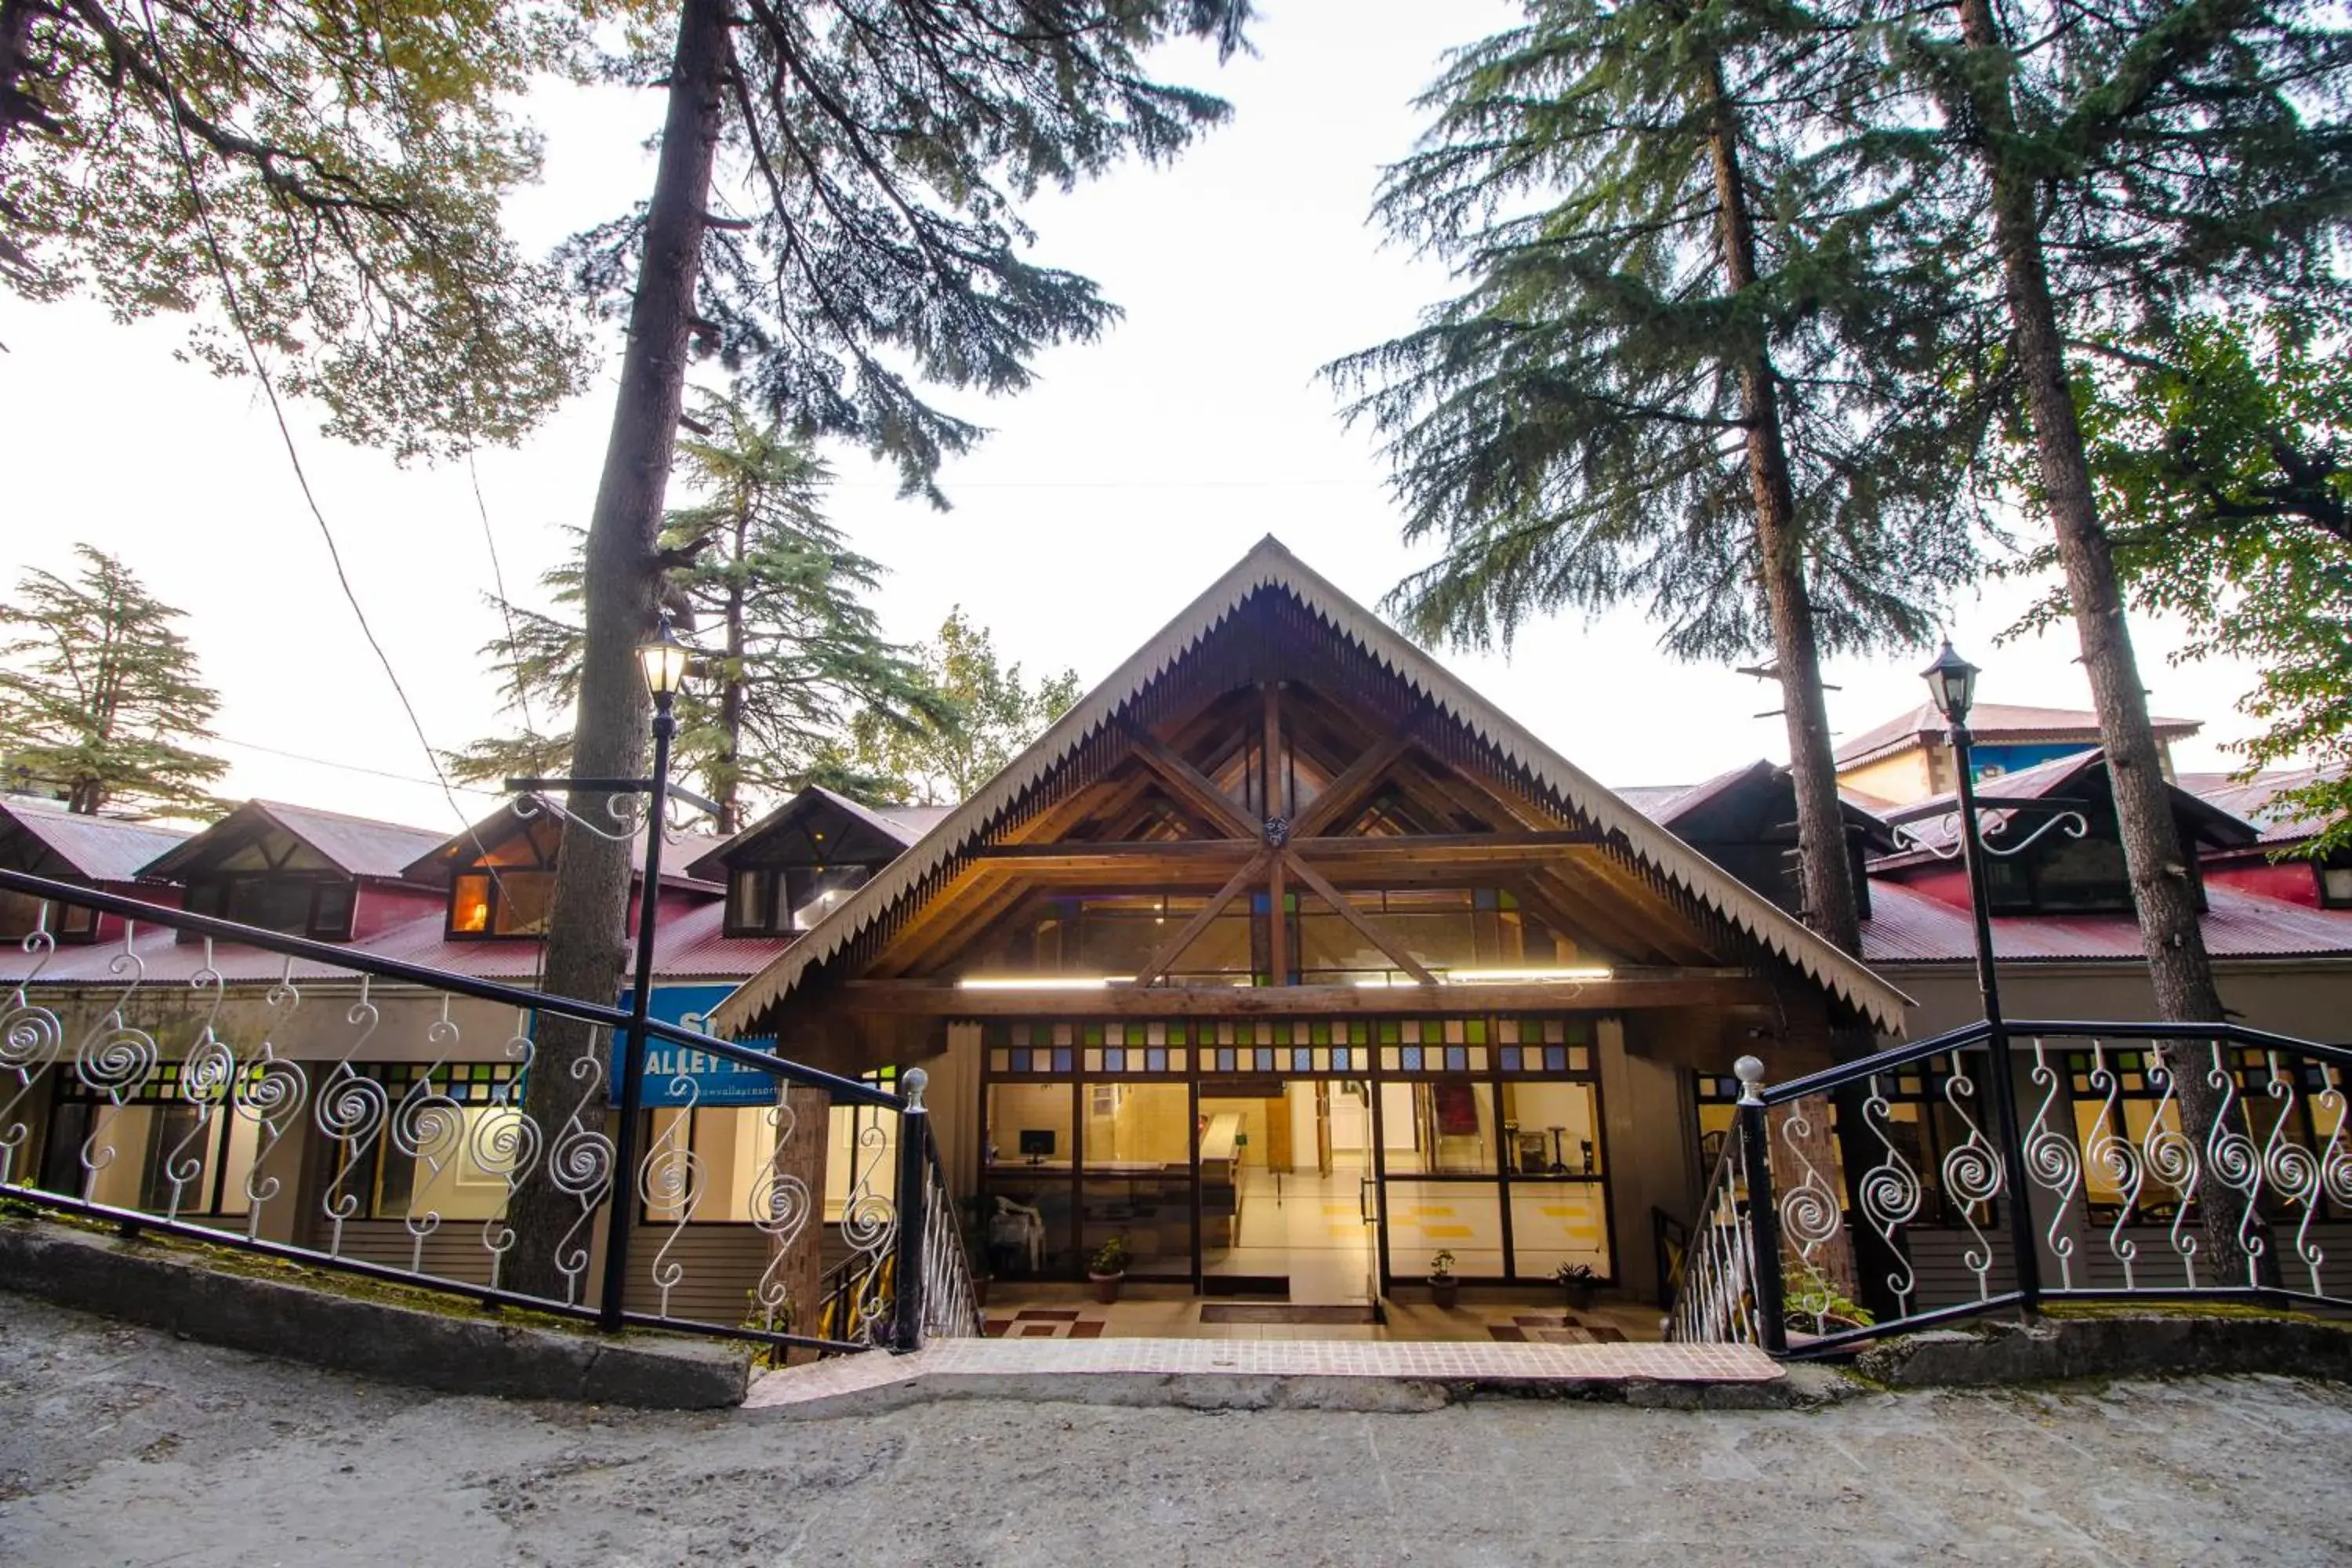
122, 1446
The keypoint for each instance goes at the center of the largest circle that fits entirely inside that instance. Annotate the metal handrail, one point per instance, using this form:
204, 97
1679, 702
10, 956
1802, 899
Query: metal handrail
333, 956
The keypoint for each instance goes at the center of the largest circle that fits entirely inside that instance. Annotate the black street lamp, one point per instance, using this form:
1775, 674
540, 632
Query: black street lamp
663, 661
1952, 683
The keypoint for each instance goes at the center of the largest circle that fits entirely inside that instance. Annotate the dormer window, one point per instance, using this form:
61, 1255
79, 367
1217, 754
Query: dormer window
771, 900
291, 903
2061, 876
2335, 881
507, 890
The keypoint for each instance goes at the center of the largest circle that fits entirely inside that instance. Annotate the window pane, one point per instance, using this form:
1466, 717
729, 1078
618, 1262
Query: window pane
1028, 1228
1551, 1129
469, 905
747, 903
1137, 1126
735, 1144
1449, 1131
273, 903
1425, 1218
1554, 1223
1029, 1124
1153, 1212
331, 914
523, 901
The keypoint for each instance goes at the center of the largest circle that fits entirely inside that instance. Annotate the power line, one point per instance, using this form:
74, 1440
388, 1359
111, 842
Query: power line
350, 767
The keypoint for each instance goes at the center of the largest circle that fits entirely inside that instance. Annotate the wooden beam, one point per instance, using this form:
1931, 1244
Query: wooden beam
1366, 927
1190, 932
1621, 991
1192, 787
1277, 928
1116, 851
1346, 792
1512, 844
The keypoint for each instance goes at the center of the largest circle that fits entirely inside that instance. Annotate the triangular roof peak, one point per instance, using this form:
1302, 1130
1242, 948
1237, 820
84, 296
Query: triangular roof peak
1270, 566
356, 845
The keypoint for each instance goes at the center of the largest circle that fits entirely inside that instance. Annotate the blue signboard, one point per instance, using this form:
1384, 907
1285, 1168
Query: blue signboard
680, 1075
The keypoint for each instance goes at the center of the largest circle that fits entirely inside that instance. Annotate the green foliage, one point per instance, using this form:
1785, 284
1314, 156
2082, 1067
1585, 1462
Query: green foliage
876, 239
1441, 1264
348, 162
984, 713
2222, 455
795, 650
1570, 427
1110, 1258
98, 694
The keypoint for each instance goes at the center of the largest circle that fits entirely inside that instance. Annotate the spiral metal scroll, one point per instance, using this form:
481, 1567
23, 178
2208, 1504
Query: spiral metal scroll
2232, 1158
781, 1206
672, 1177
1809, 1215
2054, 1164
2167, 1154
272, 1094
1974, 1175
351, 1111
869, 1226
1890, 1192
580, 1165
2294, 1171
113, 1060
429, 1127
2116, 1157
31, 1036
506, 1144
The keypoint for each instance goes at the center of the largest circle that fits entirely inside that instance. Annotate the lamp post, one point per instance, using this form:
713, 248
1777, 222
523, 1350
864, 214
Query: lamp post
663, 661
1952, 683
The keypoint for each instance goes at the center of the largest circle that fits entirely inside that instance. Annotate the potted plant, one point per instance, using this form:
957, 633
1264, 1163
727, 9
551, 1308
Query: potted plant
1107, 1268
1578, 1279
1445, 1288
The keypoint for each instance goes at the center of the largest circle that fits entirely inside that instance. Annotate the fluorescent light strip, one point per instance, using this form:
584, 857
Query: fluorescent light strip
1044, 982
1493, 976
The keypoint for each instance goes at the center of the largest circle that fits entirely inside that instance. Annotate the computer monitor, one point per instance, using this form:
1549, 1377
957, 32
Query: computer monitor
1037, 1143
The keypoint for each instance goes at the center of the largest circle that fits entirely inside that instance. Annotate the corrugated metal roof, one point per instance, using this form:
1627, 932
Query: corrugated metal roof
1271, 566
1906, 926
687, 944
358, 845
2254, 800
1992, 724
102, 848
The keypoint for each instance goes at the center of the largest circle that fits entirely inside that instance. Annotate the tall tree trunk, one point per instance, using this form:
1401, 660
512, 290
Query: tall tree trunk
586, 955
1824, 866
727, 783
2163, 885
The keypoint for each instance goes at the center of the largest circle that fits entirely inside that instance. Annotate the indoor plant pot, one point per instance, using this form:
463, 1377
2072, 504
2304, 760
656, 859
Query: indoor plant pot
1107, 1268
1445, 1288
1577, 1281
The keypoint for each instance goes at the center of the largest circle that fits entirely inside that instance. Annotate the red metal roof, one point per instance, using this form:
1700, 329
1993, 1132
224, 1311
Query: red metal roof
102, 848
1908, 927
2253, 800
687, 944
358, 845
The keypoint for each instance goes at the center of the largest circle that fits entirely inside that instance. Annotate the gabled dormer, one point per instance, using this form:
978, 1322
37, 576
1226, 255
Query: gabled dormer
300, 871
498, 876
2061, 855
103, 852
786, 870
1746, 822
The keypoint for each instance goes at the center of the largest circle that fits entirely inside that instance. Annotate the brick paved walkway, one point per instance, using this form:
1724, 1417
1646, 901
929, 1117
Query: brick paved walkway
1401, 1360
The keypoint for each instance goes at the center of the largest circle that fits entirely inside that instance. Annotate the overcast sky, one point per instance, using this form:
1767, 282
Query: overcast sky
1110, 495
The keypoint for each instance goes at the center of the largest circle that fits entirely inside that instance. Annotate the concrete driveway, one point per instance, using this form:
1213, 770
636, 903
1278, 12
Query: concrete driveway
123, 1445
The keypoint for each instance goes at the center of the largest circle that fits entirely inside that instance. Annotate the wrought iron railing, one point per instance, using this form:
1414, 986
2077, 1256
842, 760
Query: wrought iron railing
2110, 1161
230, 1085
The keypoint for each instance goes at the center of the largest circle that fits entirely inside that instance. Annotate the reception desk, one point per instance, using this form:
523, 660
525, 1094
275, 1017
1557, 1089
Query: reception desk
1221, 1190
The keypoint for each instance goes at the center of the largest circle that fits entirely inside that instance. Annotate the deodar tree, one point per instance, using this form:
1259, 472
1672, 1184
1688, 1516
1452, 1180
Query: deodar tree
1646, 392
322, 180
867, 241
2109, 168
99, 694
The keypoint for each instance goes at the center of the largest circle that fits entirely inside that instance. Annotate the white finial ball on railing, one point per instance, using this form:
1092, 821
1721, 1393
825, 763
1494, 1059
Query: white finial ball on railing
912, 1082
1750, 1070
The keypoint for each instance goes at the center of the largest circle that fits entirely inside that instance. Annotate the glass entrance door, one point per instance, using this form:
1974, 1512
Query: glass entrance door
1287, 1190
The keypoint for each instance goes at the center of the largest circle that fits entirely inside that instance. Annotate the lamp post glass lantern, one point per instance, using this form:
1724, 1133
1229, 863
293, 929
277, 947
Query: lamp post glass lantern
1952, 684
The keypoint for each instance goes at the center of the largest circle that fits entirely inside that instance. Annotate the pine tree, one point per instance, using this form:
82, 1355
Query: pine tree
888, 145
988, 714
99, 696
1640, 395
795, 648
